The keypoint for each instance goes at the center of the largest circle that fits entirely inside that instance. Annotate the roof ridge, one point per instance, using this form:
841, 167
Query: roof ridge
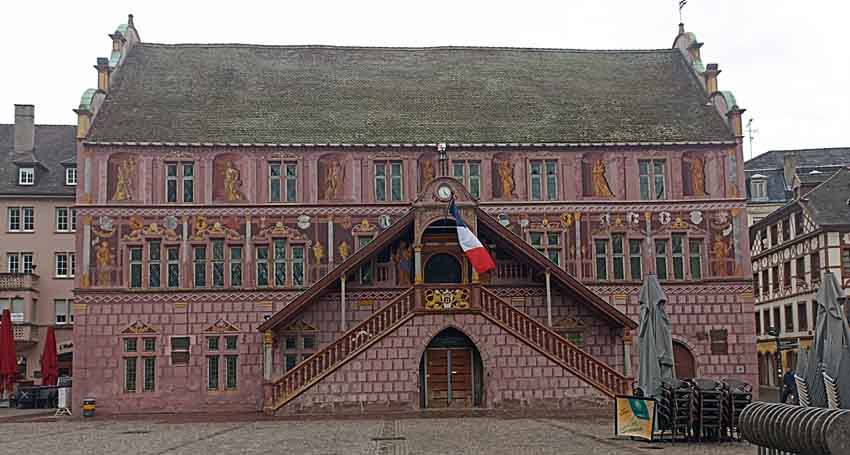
405, 48
834, 175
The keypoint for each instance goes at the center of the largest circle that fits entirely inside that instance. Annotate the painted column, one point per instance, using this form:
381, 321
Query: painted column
249, 255
208, 179
87, 180
267, 355
549, 297
420, 278
184, 255
342, 318
330, 248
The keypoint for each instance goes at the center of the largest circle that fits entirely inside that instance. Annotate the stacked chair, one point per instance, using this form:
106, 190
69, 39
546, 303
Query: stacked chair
708, 395
676, 408
736, 396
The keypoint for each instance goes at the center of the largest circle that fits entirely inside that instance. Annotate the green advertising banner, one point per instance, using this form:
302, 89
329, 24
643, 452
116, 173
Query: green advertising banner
634, 417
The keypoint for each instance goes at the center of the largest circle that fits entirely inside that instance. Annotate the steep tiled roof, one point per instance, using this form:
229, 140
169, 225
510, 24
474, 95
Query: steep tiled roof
771, 165
55, 149
829, 203
234, 93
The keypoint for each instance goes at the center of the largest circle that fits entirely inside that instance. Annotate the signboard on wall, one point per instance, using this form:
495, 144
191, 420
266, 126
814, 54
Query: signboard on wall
634, 416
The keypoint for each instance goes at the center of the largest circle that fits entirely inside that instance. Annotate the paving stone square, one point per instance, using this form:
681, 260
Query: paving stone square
469, 435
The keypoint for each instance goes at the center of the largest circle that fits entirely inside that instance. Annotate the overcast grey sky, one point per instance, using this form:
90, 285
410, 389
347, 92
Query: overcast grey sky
786, 61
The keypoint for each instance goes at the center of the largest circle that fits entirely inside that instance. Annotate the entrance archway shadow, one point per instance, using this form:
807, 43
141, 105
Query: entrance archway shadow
451, 373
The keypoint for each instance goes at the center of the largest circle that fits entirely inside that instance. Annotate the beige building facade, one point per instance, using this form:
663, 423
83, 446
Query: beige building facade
37, 226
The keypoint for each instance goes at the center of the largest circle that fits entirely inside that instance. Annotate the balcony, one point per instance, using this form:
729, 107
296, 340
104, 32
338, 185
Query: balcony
18, 281
25, 334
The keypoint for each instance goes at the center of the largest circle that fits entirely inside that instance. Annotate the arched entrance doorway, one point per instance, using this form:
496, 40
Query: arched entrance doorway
443, 268
451, 372
686, 367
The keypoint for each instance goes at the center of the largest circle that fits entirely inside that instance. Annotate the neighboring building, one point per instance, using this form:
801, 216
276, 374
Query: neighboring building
266, 227
38, 176
773, 178
791, 249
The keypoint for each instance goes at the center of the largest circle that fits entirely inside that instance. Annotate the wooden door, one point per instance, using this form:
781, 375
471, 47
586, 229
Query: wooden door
684, 360
448, 378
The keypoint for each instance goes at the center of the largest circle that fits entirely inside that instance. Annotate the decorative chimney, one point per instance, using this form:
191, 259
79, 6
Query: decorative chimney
734, 116
789, 167
103, 71
711, 72
24, 128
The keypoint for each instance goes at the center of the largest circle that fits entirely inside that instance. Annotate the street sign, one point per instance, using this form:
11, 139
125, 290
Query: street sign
788, 345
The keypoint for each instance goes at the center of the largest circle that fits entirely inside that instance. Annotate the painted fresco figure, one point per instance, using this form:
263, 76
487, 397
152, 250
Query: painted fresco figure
427, 172
232, 182
104, 259
600, 182
404, 264
697, 175
332, 180
123, 187
506, 174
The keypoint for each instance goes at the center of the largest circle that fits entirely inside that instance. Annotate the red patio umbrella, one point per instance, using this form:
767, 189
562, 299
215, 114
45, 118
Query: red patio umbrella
49, 360
8, 363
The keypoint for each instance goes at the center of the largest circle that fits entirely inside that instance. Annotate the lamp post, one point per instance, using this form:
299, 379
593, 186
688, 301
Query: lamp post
774, 332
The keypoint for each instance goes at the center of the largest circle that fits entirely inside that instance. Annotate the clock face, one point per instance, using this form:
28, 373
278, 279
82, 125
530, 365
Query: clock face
444, 192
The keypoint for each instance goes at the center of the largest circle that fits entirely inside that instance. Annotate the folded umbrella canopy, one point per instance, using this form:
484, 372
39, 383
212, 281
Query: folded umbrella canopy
8, 363
655, 339
835, 333
49, 360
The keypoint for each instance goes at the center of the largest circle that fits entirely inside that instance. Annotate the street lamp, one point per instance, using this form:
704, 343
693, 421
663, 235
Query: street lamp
774, 332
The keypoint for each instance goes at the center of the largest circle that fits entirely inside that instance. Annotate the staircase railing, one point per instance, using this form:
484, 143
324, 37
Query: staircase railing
554, 346
327, 360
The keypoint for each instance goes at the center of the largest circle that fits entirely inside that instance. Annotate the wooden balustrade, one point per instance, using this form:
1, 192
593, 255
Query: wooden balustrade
336, 354
554, 346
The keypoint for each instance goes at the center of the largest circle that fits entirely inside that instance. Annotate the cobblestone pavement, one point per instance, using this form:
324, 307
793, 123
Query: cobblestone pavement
479, 435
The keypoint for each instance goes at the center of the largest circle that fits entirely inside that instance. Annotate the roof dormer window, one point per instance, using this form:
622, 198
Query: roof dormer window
758, 187
26, 176
70, 175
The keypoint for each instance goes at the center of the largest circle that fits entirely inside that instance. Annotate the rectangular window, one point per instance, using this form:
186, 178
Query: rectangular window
290, 361
72, 224
171, 182
26, 259
786, 229
275, 184
188, 182
212, 372
279, 262
661, 259
61, 265
366, 269
218, 263
775, 275
29, 218
230, 364
798, 223
154, 264
149, 367
131, 345
291, 182
695, 253
758, 188
13, 264
14, 219
298, 266
63, 219
536, 184
236, 266
150, 344
789, 319
474, 185
774, 235
601, 259
551, 180
70, 175
130, 374
180, 350
395, 181
262, 266
636, 259
26, 176
765, 282
200, 265
652, 179
800, 264
173, 256
380, 181
61, 311
786, 275
617, 258
536, 240
677, 243
553, 247
814, 267
802, 316
136, 267
758, 322
230, 342
756, 284
212, 343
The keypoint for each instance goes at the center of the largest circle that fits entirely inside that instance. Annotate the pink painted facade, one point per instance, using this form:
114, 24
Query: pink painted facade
270, 237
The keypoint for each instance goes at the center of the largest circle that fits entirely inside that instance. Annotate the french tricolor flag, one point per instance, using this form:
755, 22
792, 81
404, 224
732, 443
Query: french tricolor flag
472, 247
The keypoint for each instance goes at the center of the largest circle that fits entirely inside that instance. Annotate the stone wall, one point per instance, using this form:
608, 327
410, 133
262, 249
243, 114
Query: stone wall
386, 376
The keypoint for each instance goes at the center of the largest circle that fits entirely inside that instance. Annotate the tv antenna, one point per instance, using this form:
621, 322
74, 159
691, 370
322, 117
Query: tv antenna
751, 132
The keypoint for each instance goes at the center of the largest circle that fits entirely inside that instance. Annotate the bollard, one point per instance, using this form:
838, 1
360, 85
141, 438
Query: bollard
781, 428
88, 407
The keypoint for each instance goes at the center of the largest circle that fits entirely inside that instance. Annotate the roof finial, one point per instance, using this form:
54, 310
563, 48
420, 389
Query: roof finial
130, 20
681, 28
